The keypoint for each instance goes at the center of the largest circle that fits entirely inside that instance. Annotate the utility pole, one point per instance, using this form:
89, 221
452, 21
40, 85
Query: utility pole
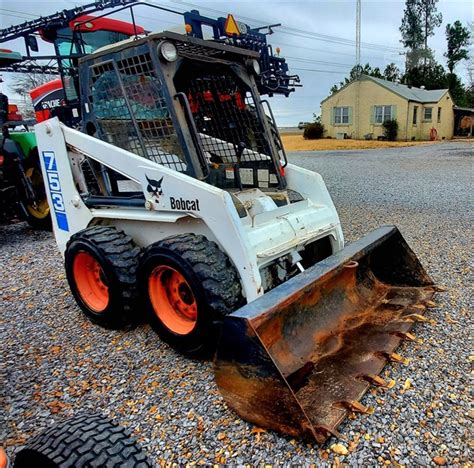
358, 68
358, 17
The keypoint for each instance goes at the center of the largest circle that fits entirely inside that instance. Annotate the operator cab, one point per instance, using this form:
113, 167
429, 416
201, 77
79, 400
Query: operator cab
188, 104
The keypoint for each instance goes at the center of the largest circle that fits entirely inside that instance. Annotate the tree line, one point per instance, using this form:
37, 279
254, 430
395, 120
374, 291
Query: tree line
420, 19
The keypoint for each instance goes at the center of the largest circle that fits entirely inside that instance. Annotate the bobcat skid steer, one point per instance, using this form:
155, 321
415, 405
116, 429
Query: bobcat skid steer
177, 199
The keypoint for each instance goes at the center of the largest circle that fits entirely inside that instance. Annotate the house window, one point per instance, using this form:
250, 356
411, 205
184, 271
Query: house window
428, 114
341, 115
383, 113
439, 114
415, 115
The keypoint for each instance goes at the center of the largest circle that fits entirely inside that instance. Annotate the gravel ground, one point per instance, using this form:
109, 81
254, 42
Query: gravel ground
55, 363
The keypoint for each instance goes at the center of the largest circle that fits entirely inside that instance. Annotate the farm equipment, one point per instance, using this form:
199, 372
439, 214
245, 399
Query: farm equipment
21, 181
178, 195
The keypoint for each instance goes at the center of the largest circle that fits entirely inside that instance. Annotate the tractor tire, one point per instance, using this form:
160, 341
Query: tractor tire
82, 441
189, 285
101, 265
37, 214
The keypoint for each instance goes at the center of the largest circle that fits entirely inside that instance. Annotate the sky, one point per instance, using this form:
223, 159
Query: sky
316, 37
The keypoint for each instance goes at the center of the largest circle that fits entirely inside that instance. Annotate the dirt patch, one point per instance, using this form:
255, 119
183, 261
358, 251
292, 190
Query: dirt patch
298, 143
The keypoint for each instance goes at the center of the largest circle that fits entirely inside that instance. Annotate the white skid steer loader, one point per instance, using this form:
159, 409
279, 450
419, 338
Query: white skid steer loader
177, 198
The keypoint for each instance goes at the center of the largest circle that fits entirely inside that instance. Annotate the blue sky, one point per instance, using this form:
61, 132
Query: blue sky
316, 37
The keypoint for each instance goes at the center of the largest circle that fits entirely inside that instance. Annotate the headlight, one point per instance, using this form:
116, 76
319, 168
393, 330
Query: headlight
168, 51
253, 66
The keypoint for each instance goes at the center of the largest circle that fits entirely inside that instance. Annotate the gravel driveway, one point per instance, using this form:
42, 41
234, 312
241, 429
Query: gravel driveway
54, 363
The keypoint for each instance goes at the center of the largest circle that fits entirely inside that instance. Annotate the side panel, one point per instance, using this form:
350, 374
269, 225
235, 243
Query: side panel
69, 212
312, 187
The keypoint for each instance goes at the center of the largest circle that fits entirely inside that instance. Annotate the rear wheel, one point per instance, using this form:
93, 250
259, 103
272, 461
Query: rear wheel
101, 264
36, 212
189, 284
82, 441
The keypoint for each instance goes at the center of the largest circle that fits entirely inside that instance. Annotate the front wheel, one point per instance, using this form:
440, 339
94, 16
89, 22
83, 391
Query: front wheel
188, 284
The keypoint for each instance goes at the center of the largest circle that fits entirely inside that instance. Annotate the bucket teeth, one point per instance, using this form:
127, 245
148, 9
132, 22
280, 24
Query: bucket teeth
415, 318
395, 357
356, 406
406, 336
378, 381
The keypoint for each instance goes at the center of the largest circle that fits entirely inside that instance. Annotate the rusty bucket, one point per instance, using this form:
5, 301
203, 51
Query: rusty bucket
299, 358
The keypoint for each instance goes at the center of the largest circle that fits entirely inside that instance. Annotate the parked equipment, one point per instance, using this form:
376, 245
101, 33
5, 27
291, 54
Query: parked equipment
22, 192
178, 193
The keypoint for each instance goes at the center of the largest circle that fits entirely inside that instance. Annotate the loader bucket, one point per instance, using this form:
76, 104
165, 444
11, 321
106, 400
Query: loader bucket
299, 358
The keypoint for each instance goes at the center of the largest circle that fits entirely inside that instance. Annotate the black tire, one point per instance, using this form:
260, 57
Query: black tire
212, 279
36, 218
82, 441
117, 255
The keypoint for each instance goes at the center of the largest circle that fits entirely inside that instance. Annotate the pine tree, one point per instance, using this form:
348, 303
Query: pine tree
420, 18
458, 38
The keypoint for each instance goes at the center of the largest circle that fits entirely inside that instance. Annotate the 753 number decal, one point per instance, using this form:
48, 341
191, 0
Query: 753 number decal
54, 185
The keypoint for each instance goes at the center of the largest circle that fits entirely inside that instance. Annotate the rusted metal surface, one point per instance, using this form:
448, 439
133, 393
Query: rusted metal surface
299, 359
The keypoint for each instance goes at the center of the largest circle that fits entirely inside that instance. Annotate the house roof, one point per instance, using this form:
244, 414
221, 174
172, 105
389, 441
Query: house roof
464, 109
410, 93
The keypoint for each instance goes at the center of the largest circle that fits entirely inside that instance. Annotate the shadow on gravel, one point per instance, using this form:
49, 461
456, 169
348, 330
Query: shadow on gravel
12, 234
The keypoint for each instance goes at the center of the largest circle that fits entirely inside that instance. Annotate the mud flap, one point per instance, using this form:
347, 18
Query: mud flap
299, 358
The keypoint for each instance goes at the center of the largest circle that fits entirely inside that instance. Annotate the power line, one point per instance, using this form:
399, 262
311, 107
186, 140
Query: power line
332, 52
301, 32
320, 62
319, 71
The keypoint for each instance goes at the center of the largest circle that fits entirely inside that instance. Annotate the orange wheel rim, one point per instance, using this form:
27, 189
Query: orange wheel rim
90, 282
172, 299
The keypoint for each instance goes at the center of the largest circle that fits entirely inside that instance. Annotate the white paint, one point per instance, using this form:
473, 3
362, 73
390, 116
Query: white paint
265, 234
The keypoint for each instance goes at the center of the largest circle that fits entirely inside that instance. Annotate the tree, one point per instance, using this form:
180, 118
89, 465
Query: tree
411, 28
420, 18
458, 38
391, 72
25, 82
430, 18
457, 90
356, 72
470, 72
433, 76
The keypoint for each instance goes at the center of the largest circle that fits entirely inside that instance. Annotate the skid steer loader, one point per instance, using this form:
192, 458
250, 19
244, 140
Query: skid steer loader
177, 198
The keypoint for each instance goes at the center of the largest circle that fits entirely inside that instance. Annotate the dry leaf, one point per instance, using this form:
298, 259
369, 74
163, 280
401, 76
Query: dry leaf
221, 436
339, 449
257, 430
55, 349
407, 384
440, 461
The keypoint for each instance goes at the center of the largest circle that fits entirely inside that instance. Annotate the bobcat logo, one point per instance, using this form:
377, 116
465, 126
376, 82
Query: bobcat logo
154, 188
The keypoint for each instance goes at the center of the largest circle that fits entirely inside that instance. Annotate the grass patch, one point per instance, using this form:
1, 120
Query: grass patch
298, 143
